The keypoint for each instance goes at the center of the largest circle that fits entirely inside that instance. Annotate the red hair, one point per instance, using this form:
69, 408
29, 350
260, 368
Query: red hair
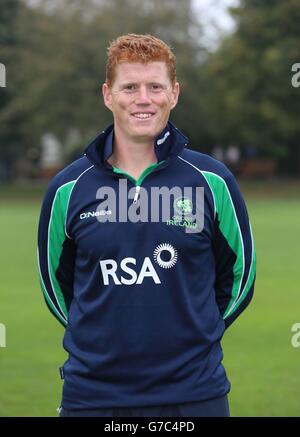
139, 48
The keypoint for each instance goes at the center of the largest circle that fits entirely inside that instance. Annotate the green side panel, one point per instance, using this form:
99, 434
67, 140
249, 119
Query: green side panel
249, 282
56, 238
229, 227
49, 301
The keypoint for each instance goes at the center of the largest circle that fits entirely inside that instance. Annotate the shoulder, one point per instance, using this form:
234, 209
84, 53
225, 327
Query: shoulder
217, 176
205, 164
71, 173
64, 181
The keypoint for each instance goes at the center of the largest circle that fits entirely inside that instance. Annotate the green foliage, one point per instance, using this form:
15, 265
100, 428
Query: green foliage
8, 12
241, 94
253, 101
9, 40
62, 58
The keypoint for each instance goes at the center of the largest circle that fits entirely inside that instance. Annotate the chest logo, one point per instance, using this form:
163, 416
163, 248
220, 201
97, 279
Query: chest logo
183, 206
183, 209
171, 253
165, 255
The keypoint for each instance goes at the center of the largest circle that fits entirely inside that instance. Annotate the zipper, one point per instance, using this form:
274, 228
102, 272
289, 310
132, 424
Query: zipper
136, 194
138, 182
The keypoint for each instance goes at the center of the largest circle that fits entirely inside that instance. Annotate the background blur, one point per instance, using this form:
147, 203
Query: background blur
240, 102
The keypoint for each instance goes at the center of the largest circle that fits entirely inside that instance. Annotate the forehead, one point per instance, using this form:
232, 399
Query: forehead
138, 72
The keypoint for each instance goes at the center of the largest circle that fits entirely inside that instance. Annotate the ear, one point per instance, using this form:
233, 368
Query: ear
107, 96
175, 94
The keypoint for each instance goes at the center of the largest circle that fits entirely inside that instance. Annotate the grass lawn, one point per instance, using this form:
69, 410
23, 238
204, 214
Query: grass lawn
261, 363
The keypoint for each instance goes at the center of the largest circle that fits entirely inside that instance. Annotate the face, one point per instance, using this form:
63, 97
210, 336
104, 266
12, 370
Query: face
140, 98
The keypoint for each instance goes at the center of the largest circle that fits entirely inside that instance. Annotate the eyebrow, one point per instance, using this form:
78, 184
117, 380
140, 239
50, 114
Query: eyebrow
128, 83
125, 84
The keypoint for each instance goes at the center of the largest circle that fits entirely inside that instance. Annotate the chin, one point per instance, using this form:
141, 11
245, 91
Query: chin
148, 132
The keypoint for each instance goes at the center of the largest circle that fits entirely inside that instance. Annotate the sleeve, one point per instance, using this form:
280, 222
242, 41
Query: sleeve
234, 250
56, 251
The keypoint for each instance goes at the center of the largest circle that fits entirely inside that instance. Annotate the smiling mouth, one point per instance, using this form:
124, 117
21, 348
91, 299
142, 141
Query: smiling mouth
143, 115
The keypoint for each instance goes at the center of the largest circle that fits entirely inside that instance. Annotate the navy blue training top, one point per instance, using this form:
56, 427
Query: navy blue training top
144, 301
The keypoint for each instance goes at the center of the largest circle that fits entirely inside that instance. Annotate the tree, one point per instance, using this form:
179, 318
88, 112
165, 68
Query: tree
9, 134
62, 55
252, 100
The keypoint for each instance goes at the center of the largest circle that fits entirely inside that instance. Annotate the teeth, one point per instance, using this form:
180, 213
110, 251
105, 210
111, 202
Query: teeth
142, 115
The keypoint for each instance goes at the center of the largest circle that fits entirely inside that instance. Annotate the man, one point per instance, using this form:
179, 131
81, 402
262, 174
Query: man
145, 299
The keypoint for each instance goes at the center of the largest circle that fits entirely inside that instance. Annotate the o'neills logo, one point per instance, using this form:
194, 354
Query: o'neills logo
101, 212
165, 255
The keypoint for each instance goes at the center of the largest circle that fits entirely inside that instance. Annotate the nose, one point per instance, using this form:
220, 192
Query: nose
143, 97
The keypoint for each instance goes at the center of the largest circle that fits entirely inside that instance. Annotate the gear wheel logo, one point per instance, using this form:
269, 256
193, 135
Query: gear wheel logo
170, 250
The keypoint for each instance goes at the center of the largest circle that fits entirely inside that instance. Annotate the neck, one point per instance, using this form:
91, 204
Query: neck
132, 158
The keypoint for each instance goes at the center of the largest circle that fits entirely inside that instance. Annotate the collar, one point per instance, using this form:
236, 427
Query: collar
168, 144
